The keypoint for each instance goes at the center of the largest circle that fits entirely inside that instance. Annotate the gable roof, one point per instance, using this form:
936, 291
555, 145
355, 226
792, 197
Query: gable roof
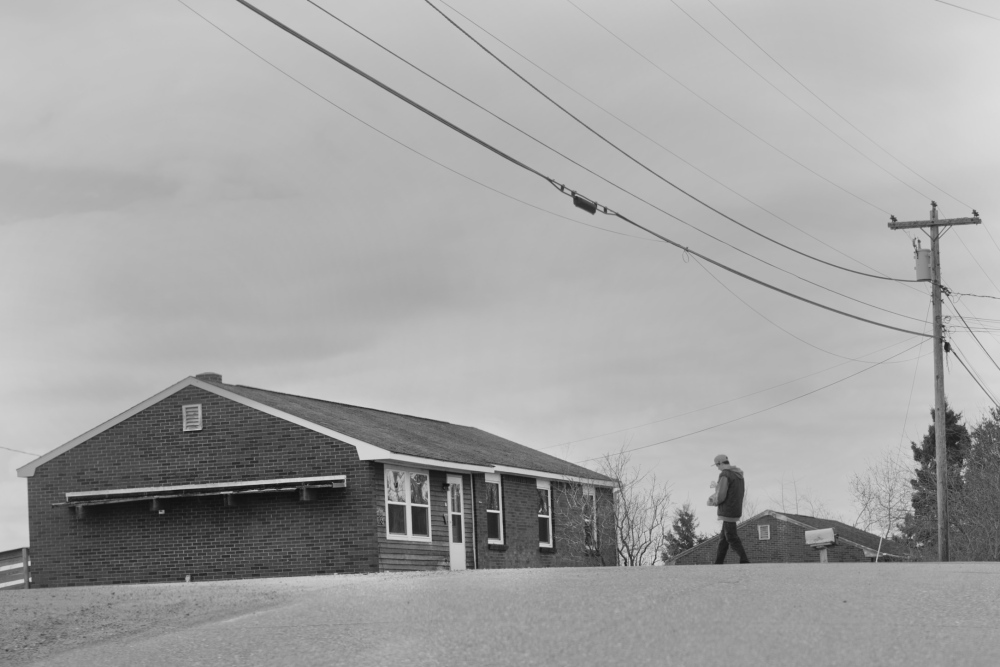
845, 534
376, 434
850, 533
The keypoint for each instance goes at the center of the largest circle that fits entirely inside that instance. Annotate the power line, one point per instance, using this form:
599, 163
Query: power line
578, 199
966, 9
19, 451
628, 192
977, 296
974, 337
664, 148
403, 145
775, 324
839, 115
787, 97
731, 400
757, 136
639, 162
752, 414
954, 350
759, 282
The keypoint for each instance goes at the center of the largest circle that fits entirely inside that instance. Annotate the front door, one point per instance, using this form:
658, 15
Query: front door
456, 523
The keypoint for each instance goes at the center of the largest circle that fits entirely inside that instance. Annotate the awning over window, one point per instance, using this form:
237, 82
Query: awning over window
113, 496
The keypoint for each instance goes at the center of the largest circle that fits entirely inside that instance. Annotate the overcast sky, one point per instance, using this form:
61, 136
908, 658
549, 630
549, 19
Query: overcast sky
171, 203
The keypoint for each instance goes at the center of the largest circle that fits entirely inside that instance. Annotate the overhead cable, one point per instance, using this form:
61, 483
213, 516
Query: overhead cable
642, 164
752, 414
966, 9
19, 451
974, 337
955, 352
775, 324
665, 148
733, 120
406, 146
562, 188
837, 113
619, 187
731, 400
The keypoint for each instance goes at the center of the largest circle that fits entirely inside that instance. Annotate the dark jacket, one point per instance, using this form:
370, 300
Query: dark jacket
729, 494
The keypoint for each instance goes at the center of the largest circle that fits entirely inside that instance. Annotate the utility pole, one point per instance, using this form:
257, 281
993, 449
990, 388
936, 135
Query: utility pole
940, 442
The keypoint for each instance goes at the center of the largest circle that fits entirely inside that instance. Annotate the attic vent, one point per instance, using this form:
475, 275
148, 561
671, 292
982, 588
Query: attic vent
191, 417
763, 532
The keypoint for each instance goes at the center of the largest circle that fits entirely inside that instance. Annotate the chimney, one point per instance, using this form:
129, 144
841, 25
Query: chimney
209, 377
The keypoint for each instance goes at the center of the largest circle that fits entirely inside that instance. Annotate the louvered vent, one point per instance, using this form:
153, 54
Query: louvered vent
192, 417
763, 532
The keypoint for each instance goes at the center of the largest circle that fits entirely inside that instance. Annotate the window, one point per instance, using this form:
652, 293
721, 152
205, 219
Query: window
408, 504
494, 509
763, 532
589, 518
544, 513
191, 417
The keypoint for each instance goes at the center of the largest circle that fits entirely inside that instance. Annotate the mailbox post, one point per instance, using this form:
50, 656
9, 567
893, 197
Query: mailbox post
821, 539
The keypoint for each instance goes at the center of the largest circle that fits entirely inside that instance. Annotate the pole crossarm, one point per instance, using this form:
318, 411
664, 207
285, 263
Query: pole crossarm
935, 223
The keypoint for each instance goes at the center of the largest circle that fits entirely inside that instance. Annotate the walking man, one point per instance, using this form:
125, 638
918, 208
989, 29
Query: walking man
728, 497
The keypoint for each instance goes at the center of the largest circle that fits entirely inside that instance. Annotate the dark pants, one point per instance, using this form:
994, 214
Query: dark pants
729, 537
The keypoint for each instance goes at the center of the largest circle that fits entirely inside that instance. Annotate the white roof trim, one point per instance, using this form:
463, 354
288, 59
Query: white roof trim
525, 472
420, 462
366, 451
71, 495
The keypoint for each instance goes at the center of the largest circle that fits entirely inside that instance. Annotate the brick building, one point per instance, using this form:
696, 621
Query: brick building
777, 537
221, 481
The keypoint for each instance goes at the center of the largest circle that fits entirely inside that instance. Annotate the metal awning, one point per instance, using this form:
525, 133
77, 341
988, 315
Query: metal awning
114, 496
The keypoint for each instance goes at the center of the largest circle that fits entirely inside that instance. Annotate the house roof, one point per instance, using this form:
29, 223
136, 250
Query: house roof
850, 533
377, 434
845, 533
415, 436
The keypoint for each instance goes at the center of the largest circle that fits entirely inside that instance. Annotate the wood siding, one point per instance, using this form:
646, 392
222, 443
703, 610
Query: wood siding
395, 555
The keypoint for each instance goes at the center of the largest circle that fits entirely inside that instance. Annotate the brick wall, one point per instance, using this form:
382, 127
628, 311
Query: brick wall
520, 520
262, 536
787, 545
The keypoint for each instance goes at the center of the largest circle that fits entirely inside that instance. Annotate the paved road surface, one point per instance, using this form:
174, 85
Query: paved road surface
815, 615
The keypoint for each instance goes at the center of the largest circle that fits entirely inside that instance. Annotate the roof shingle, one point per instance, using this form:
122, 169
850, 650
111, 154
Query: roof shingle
414, 436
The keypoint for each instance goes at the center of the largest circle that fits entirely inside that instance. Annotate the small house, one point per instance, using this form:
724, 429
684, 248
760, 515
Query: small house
778, 537
208, 480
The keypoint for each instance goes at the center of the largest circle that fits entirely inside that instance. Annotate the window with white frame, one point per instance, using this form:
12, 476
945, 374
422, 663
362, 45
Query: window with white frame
544, 513
408, 504
589, 517
191, 417
763, 532
494, 509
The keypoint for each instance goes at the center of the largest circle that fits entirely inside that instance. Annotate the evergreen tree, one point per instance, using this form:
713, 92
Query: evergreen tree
683, 533
920, 526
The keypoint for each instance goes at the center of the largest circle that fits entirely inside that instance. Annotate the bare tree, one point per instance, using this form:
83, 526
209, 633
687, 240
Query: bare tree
799, 501
590, 527
882, 494
641, 510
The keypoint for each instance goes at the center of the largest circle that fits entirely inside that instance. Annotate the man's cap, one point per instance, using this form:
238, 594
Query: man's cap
721, 458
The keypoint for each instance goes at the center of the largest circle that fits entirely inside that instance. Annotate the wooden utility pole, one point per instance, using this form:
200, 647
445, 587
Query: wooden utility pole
940, 441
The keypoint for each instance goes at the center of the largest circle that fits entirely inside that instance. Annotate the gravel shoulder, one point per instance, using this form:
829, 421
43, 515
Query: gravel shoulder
36, 624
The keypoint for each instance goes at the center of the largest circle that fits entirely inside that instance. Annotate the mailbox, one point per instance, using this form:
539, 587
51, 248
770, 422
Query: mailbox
820, 539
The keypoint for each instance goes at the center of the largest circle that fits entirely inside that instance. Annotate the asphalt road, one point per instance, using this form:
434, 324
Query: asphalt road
816, 615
